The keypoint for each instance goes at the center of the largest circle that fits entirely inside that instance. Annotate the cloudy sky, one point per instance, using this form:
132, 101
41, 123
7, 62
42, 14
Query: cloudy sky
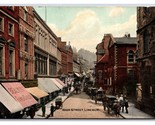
85, 26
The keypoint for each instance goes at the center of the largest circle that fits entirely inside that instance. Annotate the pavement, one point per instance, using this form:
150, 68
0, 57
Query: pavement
133, 112
38, 114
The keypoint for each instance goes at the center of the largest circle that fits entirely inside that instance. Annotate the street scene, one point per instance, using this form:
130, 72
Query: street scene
77, 62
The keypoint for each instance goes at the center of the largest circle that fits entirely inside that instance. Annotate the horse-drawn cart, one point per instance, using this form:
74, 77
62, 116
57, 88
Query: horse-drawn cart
58, 102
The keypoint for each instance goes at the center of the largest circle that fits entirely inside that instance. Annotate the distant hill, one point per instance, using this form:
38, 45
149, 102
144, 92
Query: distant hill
89, 56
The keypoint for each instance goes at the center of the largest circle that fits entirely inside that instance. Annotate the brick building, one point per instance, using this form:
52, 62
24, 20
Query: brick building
115, 63
102, 62
26, 38
9, 43
122, 68
69, 59
61, 46
146, 57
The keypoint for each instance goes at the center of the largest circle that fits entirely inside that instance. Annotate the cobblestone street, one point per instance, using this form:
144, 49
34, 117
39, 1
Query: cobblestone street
81, 106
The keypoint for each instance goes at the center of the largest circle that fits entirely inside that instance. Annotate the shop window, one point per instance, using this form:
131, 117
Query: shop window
1, 24
11, 29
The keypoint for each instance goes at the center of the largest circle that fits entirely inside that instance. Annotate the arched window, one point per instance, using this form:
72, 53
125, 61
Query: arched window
130, 56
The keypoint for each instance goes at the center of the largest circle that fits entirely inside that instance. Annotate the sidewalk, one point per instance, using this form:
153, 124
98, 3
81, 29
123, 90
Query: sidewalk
38, 114
135, 113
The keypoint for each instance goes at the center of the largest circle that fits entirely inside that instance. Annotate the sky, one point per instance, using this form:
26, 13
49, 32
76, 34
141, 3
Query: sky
85, 26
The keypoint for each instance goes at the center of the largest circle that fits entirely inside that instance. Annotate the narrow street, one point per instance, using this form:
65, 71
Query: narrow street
81, 106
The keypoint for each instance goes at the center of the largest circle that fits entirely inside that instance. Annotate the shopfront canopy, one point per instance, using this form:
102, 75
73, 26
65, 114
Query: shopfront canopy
56, 83
38, 93
47, 85
9, 102
19, 93
63, 84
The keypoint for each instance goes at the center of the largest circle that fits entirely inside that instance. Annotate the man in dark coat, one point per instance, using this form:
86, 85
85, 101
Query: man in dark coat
52, 109
43, 110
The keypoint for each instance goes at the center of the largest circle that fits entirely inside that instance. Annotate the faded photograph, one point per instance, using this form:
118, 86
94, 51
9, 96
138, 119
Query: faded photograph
77, 62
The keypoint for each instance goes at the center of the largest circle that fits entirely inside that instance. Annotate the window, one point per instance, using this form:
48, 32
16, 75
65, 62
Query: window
1, 60
11, 62
26, 69
11, 8
131, 56
145, 42
25, 13
26, 43
1, 24
11, 29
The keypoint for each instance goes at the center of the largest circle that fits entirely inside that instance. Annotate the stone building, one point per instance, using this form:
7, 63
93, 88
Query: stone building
146, 57
45, 49
9, 43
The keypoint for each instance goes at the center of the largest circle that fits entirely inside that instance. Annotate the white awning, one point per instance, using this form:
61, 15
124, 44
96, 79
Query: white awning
47, 85
77, 74
9, 102
35, 91
56, 83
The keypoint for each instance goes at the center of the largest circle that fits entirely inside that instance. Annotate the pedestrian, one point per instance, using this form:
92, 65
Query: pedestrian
32, 112
43, 110
126, 105
52, 109
121, 102
24, 115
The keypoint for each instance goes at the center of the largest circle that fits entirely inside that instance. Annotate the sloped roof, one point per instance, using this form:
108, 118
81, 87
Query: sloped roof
104, 59
126, 40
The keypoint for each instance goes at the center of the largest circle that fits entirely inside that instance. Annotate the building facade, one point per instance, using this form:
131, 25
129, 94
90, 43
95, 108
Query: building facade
69, 59
26, 38
102, 62
9, 43
45, 49
122, 66
146, 57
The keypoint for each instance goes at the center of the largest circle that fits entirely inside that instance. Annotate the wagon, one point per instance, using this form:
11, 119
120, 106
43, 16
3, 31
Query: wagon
58, 102
110, 102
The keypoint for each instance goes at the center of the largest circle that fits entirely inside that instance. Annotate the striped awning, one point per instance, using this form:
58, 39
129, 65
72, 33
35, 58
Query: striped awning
38, 93
9, 102
57, 83
20, 94
47, 85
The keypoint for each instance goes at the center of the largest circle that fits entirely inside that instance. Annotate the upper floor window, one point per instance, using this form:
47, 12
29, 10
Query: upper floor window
1, 24
11, 63
11, 29
26, 43
145, 42
26, 68
25, 13
131, 56
10, 8
1, 59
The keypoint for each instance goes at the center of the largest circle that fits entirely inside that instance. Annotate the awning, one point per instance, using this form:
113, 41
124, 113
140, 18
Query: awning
63, 84
77, 74
46, 85
9, 102
56, 83
20, 94
35, 91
